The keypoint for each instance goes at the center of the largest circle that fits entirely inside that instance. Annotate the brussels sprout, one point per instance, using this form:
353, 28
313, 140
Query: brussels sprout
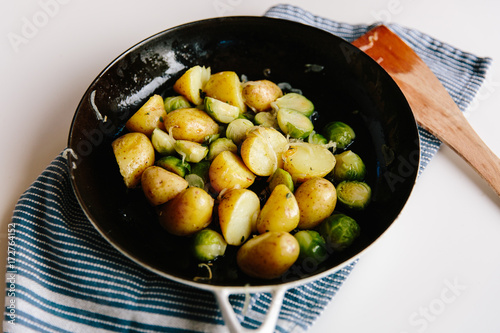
354, 194
294, 123
281, 176
162, 142
317, 139
295, 102
221, 111
174, 164
220, 145
201, 169
190, 151
237, 130
199, 175
339, 231
312, 245
176, 102
195, 181
349, 166
266, 119
340, 133
208, 244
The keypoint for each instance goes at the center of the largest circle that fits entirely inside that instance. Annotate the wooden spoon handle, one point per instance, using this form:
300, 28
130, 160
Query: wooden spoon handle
433, 107
462, 138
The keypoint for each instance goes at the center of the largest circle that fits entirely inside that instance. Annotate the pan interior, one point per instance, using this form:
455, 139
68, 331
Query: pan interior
343, 83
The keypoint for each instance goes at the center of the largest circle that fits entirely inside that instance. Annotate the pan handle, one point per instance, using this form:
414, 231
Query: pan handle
231, 320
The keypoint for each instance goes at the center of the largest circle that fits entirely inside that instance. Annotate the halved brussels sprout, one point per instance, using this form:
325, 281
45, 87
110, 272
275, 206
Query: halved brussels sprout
349, 166
339, 231
266, 119
295, 102
208, 244
221, 111
354, 194
199, 175
176, 102
237, 130
294, 123
312, 245
162, 142
317, 139
340, 133
201, 169
174, 164
220, 145
190, 151
281, 176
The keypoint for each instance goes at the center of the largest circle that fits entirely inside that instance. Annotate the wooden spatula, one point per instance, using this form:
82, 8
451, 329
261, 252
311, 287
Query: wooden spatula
431, 104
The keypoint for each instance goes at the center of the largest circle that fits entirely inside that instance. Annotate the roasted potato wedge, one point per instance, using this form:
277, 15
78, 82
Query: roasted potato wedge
148, 117
134, 153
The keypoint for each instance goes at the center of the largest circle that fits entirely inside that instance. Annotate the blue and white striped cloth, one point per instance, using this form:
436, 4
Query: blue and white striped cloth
67, 278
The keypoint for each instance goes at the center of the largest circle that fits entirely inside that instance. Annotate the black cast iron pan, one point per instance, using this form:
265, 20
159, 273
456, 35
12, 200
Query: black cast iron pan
343, 83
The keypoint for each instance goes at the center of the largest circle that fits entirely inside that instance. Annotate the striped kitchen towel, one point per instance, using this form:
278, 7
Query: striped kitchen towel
62, 276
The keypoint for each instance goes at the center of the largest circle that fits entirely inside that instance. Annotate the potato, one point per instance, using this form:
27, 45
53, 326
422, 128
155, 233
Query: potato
228, 171
259, 95
187, 213
238, 210
192, 82
269, 255
306, 160
134, 153
317, 198
148, 117
280, 212
262, 150
226, 86
160, 185
190, 124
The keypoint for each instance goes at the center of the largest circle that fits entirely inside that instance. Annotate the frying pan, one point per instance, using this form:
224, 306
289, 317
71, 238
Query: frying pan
343, 83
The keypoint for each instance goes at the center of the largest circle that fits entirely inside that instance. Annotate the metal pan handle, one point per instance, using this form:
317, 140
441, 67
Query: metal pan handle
231, 320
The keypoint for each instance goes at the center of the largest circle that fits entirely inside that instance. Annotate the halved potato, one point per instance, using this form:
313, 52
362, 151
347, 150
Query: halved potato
226, 86
192, 82
306, 160
238, 210
228, 171
160, 185
262, 150
148, 117
134, 153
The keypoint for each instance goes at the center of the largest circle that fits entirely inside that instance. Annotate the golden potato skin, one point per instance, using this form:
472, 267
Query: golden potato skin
317, 199
226, 86
190, 124
269, 255
160, 185
187, 213
259, 95
148, 117
134, 153
280, 212
228, 171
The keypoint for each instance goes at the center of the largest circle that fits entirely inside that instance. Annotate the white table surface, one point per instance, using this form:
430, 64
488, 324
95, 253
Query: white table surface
436, 270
